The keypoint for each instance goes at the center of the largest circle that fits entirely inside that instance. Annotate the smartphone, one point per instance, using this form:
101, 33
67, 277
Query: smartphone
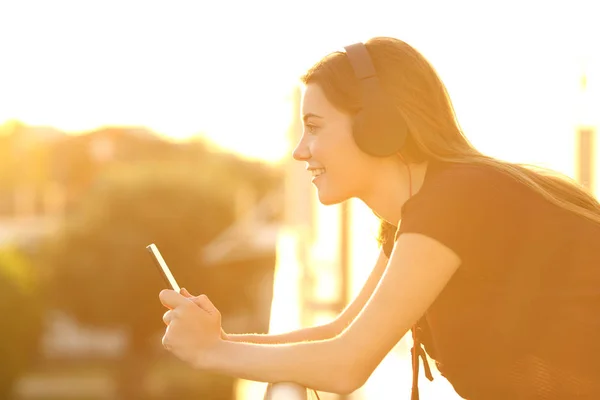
162, 267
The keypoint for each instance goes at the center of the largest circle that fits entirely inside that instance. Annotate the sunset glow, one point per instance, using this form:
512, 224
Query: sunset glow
523, 76
226, 70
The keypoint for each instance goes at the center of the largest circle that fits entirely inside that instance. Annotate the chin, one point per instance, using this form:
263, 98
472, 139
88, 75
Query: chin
330, 199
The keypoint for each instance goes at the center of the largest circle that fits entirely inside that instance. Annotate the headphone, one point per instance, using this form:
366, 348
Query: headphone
378, 129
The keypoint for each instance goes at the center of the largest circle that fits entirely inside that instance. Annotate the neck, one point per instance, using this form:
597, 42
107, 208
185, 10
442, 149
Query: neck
393, 188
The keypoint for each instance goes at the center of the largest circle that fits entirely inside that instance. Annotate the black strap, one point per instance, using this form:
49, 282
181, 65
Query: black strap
417, 352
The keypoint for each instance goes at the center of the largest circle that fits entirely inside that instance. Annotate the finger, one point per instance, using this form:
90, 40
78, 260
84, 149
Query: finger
204, 303
196, 301
193, 299
171, 299
185, 293
165, 342
224, 335
168, 317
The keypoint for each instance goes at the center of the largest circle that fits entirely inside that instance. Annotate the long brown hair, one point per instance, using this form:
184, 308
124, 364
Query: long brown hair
435, 134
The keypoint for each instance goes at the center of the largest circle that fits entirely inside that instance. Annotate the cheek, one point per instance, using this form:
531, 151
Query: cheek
350, 172
345, 162
356, 176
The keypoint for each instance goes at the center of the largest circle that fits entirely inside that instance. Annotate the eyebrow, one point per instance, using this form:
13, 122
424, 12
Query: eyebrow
308, 115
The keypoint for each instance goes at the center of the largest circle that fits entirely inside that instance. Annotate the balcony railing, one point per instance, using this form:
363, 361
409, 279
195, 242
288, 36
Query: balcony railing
285, 391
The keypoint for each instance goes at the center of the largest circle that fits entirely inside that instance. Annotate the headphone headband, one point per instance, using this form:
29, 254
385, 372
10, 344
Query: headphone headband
378, 128
361, 61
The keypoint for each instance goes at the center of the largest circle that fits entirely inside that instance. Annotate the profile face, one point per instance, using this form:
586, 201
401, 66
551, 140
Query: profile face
340, 170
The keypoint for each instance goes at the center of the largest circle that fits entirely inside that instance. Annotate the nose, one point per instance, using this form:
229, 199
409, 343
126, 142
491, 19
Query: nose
301, 152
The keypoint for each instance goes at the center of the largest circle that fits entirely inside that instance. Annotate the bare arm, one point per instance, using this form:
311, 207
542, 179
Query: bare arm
417, 272
355, 307
313, 333
325, 331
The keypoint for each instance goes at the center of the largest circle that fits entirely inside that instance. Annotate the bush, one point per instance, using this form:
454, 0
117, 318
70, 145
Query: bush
21, 311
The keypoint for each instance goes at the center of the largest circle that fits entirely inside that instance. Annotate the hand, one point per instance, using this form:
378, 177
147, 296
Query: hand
193, 327
197, 301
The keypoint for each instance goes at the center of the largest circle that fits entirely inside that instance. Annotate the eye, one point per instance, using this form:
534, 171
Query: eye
312, 129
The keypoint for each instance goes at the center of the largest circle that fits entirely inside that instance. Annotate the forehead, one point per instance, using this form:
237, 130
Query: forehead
315, 102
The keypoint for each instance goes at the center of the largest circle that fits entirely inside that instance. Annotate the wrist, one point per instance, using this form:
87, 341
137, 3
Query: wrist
207, 358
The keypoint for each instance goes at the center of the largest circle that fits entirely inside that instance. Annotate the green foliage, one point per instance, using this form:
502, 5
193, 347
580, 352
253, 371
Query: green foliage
178, 196
100, 267
16, 268
21, 311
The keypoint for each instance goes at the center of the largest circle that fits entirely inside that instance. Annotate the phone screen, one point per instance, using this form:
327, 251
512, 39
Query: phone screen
162, 267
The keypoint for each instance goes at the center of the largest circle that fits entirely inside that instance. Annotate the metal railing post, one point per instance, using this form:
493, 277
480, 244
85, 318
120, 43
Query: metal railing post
285, 391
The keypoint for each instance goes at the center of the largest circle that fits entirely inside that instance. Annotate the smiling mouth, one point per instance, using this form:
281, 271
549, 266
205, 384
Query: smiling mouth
317, 172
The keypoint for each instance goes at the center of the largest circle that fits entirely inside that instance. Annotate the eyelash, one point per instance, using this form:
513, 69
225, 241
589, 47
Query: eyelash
309, 127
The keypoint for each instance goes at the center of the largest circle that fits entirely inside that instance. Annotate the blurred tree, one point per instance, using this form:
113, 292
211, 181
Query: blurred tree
21, 311
100, 269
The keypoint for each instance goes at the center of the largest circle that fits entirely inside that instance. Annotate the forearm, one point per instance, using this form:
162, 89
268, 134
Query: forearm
321, 332
322, 365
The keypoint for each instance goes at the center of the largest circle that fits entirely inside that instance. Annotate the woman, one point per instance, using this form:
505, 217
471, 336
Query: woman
494, 265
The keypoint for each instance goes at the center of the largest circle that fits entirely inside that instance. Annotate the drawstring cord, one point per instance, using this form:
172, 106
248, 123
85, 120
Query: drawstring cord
417, 352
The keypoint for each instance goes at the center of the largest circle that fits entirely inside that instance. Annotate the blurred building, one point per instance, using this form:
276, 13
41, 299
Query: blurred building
587, 120
247, 249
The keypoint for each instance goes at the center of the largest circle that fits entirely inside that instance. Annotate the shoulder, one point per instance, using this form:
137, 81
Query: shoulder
465, 176
463, 184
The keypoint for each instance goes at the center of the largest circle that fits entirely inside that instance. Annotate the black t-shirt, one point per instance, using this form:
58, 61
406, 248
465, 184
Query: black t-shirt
521, 316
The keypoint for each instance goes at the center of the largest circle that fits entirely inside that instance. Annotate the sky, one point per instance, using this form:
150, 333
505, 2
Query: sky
227, 69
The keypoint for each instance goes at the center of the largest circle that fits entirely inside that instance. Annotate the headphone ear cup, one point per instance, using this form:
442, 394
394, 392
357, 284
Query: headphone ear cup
361, 135
378, 129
